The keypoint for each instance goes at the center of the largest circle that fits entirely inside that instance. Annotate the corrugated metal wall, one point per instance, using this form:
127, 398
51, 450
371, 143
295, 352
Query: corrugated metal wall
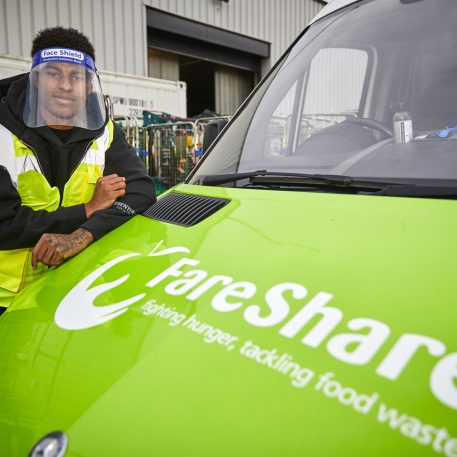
275, 21
118, 27
232, 86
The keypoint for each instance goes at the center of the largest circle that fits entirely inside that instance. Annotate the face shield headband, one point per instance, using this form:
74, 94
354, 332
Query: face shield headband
64, 91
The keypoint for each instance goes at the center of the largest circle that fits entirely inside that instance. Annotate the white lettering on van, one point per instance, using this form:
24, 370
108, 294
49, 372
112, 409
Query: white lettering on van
236, 290
207, 285
400, 355
443, 380
278, 305
329, 319
174, 271
314, 321
366, 345
182, 286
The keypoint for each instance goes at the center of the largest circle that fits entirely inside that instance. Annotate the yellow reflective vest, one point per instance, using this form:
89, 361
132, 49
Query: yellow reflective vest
33, 188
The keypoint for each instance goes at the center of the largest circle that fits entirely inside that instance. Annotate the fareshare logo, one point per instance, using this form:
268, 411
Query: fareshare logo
77, 310
313, 320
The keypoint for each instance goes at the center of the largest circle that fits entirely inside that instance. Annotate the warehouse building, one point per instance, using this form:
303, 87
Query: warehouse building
178, 56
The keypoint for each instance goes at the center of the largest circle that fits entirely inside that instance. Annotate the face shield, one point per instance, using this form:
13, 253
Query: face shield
64, 90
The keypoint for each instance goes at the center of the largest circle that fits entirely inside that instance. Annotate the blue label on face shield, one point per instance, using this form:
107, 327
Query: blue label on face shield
63, 55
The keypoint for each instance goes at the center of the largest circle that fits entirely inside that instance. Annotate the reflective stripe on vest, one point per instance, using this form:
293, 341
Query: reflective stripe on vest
81, 185
35, 192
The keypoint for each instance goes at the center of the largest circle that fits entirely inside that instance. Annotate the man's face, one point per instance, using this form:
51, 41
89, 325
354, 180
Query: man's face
63, 89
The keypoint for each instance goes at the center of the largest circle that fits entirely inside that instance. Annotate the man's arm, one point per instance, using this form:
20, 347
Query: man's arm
21, 226
140, 193
136, 195
54, 248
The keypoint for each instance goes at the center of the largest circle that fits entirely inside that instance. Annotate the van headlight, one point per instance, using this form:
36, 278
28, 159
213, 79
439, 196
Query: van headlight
52, 445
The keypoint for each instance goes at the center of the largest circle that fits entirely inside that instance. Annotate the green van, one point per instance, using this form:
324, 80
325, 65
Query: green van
297, 296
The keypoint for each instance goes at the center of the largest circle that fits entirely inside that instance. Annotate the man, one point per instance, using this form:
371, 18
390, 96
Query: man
67, 174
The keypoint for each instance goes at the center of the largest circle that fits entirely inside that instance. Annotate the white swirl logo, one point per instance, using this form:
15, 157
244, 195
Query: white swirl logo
77, 310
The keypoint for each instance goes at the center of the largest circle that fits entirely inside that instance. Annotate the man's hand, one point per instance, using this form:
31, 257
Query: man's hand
54, 248
107, 190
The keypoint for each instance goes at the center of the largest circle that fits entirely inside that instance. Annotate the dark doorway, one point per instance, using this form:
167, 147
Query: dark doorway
199, 77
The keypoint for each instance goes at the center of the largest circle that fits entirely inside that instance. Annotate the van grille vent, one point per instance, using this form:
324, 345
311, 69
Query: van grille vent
184, 209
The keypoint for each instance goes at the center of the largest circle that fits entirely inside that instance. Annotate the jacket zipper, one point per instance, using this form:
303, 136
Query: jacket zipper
74, 169
42, 170
36, 155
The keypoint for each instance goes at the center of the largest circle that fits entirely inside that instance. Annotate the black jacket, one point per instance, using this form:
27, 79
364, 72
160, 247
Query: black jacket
21, 226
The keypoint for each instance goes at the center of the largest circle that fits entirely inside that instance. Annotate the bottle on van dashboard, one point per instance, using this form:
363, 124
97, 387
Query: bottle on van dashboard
403, 125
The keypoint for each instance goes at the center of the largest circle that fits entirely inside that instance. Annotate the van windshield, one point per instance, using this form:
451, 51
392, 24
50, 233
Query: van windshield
369, 91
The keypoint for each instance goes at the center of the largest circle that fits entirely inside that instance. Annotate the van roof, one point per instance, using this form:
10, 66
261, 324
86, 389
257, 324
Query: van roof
331, 7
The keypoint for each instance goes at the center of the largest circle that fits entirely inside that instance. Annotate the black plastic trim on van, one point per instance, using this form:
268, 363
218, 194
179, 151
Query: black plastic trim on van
184, 209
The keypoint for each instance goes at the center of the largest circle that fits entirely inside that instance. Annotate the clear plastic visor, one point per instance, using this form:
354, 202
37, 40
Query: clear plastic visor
64, 94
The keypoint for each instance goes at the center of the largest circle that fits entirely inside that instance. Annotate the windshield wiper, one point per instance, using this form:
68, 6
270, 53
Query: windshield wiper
372, 186
269, 178
215, 180
411, 190
317, 180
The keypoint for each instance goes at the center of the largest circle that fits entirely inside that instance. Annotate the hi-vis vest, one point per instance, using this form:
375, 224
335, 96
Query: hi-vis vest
27, 177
